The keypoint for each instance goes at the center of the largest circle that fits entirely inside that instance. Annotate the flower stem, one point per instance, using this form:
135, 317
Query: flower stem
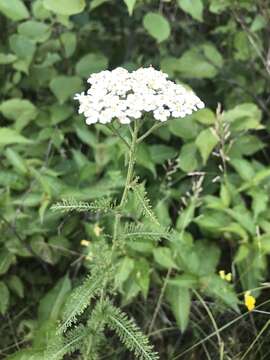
149, 132
117, 133
131, 163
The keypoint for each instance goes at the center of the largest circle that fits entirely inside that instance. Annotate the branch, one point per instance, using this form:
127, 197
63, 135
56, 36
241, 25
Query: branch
153, 128
117, 133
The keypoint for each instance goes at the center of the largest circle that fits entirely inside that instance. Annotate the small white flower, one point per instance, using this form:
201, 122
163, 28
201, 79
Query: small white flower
161, 114
123, 95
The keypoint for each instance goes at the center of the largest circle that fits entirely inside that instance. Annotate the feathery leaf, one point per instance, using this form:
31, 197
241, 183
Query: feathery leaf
144, 201
130, 335
103, 205
80, 298
134, 231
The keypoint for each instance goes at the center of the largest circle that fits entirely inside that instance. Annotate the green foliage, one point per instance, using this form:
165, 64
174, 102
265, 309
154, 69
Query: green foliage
66, 7
130, 334
157, 26
80, 298
201, 204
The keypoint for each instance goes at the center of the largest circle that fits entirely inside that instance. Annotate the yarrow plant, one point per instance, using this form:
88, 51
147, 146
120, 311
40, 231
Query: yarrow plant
126, 97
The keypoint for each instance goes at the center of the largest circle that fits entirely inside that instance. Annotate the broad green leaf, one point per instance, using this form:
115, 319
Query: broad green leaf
185, 256
39, 10
193, 64
24, 49
193, 8
161, 153
20, 110
221, 289
163, 257
143, 158
180, 301
7, 58
188, 158
14, 9
4, 297
91, 63
96, 3
184, 281
258, 23
34, 30
243, 48
243, 216
162, 212
243, 117
209, 255
60, 113
6, 260
218, 6
141, 246
125, 267
212, 221
214, 202
12, 180
10, 136
206, 142
16, 160
69, 41
205, 116
225, 195
65, 7
252, 268
186, 216
245, 145
49, 60
235, 228
212, 54
142, 275
157, 26
64, 87
168, 65
51, 304
27, 355
243, 168
260, 200
186, 128
16, 285
130, 5
258, 178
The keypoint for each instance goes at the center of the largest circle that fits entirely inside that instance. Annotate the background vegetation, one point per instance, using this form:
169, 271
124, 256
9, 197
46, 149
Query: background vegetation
207, 176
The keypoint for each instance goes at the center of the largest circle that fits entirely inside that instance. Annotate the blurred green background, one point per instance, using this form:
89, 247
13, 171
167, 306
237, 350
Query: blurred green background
219, 48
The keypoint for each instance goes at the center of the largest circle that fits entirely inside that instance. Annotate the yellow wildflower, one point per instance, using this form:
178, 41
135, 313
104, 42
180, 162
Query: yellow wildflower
89, 257
97, 229
250, 301
224, 276
85, 243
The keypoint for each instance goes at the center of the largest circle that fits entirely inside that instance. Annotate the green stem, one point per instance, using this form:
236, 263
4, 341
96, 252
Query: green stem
149, 132
131, 163
117, 133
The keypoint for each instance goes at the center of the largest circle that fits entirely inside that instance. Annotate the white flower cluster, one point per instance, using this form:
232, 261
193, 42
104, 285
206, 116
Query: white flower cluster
123, 95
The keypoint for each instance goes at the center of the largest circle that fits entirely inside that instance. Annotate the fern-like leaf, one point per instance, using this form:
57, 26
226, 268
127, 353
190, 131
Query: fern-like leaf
80, 298
144, 201
70, 343
95, 341
103, 205
130, 335
140, 231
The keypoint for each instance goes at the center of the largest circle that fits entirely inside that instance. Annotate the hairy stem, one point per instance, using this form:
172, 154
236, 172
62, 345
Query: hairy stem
149, 132
131, 163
